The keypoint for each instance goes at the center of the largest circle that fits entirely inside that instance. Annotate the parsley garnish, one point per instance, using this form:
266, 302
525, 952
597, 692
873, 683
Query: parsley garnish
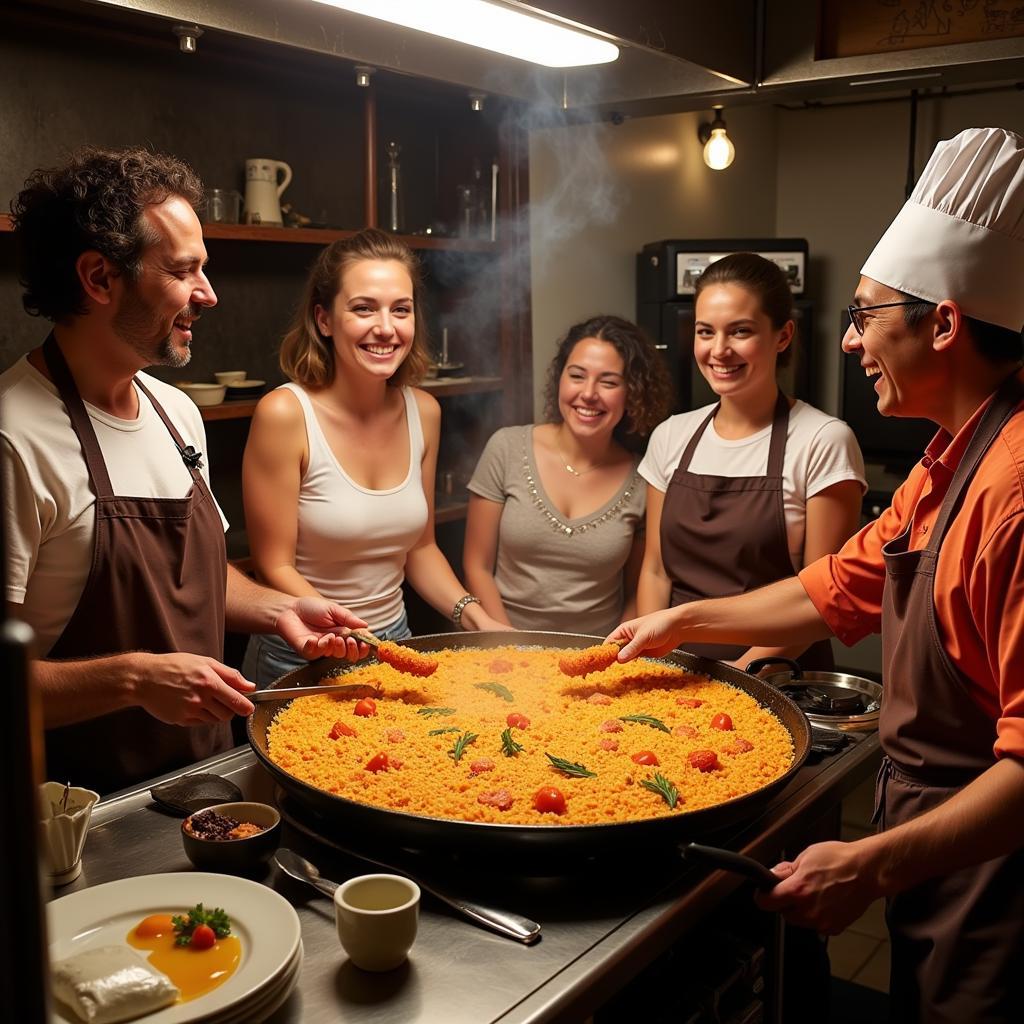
570, 767
654, 723
217, 919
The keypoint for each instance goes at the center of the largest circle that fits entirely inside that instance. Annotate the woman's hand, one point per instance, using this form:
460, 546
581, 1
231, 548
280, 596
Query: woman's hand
475, 618
655, 634
318, 628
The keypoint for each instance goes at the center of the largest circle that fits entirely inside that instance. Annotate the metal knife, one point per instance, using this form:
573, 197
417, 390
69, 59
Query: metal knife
512, 926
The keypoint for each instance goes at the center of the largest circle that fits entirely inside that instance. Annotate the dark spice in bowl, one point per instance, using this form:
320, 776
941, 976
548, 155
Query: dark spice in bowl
211, 825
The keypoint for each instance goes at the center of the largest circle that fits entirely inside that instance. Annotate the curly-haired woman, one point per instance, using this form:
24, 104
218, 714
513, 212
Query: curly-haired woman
554, 537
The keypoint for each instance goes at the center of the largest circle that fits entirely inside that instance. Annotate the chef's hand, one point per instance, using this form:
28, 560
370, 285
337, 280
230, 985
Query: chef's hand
826, 888
318, 628
655, 634
188, 689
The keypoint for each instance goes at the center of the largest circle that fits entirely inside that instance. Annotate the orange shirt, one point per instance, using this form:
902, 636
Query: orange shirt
979, 578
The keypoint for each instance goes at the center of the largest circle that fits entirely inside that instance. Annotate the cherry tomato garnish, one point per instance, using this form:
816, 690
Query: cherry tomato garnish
517, 721
340, 729
377, 763
723, 722
646, 757
203, 937
549, 800
704, 760
365, 707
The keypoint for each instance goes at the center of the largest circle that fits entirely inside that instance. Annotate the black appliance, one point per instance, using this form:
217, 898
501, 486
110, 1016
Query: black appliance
666, 273
891, 441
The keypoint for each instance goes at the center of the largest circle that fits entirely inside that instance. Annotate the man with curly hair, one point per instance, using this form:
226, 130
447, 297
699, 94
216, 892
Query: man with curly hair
116, 544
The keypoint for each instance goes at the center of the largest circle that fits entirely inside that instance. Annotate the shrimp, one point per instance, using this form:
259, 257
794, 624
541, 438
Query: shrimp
406, 660
590, 659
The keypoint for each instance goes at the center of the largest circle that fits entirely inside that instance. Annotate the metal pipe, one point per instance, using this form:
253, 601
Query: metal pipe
912, 146
370, 144
494, 200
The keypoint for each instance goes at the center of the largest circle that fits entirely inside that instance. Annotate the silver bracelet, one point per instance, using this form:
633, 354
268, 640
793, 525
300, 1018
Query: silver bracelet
460, 607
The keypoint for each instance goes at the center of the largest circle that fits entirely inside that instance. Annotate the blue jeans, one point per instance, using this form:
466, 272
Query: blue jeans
268, 657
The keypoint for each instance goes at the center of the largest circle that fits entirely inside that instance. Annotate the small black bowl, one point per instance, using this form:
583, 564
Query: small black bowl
235, 854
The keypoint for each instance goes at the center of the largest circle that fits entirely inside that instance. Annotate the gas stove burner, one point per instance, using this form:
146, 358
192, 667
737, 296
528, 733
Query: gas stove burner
828, 700
833, 699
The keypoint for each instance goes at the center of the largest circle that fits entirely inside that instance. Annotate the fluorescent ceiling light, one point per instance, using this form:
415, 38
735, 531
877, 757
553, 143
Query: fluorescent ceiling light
491, 27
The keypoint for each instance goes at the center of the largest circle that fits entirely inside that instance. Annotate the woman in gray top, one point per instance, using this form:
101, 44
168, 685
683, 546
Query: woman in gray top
554, 536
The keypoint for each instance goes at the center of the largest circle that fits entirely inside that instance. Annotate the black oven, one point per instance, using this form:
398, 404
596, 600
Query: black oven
665, 278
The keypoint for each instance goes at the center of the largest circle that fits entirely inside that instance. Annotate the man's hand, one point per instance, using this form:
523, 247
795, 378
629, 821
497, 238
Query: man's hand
655, 634
189, 689
826, 888
318, 628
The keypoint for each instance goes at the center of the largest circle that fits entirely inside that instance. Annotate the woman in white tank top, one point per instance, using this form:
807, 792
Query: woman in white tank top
339, 468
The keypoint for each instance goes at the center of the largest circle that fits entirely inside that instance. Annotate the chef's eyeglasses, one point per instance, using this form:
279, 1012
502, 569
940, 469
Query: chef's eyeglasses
857, 312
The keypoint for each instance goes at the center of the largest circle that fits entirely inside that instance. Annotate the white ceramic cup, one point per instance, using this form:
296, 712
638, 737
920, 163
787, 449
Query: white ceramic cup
65, 825
377, 917
229, 377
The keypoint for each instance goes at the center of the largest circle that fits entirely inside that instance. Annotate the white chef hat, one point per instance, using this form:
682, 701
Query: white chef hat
960, 235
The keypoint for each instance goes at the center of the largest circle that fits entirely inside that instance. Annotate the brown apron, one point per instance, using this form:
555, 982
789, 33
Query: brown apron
725, 535
157, 583
957, 941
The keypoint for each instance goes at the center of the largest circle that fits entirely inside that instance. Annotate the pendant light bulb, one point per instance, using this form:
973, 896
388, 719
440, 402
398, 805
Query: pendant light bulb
719, 152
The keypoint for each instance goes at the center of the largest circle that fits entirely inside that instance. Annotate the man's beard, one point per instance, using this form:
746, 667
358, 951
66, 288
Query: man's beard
136, 325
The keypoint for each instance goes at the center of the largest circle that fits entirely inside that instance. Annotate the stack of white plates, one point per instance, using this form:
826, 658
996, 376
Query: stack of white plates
265, 923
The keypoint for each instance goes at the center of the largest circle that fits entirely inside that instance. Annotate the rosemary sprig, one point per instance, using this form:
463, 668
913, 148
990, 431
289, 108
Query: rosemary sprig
441, 732
570, 767
497, 689
432, 712
460, 745
663, 788
509, 747
654, 723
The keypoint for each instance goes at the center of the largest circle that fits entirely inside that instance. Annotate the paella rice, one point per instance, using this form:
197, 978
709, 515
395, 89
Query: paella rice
490, 730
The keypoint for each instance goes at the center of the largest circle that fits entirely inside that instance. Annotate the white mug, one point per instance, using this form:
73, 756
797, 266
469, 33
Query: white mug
262, 191
377, 917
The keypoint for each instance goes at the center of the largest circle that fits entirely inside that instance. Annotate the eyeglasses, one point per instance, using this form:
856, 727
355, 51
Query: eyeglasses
857, 312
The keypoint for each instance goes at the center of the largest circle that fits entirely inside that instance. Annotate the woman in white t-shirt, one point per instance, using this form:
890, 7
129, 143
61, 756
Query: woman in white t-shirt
339, 468
748, 490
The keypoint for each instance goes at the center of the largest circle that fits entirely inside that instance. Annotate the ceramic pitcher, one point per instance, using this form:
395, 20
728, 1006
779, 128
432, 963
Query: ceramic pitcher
263, 191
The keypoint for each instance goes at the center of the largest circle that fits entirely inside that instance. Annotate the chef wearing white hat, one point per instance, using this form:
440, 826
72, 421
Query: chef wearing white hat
937, 321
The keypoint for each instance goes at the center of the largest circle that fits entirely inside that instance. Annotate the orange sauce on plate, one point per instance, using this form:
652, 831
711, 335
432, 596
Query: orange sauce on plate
194, 971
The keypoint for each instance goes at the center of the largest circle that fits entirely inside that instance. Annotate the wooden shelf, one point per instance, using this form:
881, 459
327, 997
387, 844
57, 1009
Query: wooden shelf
239, 409
450, 512
317, 236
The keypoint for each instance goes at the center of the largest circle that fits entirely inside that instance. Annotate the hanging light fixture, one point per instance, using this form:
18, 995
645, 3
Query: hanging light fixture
719, 151
490, 26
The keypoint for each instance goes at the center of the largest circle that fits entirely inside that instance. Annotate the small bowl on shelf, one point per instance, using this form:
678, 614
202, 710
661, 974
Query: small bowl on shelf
229, 377
246, 389
230, 837
204, 394
450, 369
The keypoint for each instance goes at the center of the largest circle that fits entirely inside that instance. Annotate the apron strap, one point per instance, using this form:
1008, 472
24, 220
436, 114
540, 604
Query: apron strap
68, 391
995, 417
776, 447
192, 459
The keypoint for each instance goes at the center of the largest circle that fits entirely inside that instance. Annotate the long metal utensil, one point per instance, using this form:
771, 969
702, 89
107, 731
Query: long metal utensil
512, 926
727, 860
288, 692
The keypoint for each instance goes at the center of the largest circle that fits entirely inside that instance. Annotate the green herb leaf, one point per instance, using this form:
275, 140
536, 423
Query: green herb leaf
654, 723
497, 689
460, 745
432, 712
217, 919
509, 747
663, 788
441, 732
570, 767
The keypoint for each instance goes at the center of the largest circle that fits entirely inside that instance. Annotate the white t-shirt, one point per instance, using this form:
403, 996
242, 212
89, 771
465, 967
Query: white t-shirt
820, 451
49, 505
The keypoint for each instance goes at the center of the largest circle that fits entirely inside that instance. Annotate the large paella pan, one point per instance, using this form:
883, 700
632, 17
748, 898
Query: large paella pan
387, 826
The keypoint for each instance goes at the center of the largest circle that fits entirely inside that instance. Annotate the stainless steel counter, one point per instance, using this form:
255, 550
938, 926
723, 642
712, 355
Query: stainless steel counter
602, 923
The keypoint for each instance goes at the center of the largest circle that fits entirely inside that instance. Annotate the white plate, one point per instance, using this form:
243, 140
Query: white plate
265, 1004
264, 921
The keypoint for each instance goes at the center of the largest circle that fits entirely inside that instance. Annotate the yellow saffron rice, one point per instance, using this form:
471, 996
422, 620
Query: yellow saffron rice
576, 720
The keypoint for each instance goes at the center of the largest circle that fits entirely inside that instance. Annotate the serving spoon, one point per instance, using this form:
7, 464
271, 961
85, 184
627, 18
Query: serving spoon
512, 926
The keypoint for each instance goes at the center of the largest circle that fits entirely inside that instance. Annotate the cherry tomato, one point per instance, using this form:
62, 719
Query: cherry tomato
645, 757
517, 721
704, 760
688, 702
377, 763
340, 729
365, 707
549, 800
203, 937
723, 722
